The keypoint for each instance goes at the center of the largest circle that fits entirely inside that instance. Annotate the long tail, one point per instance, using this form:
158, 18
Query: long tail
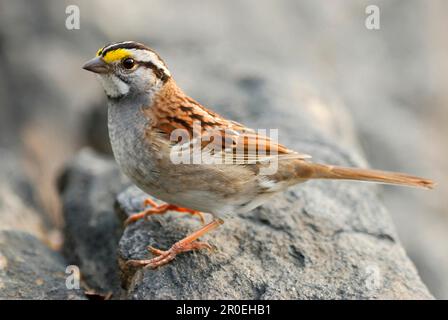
321, 171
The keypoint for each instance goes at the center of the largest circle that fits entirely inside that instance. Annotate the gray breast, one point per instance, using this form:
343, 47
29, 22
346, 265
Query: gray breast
133, 154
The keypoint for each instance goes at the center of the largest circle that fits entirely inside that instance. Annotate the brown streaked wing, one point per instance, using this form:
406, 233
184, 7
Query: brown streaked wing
172, 110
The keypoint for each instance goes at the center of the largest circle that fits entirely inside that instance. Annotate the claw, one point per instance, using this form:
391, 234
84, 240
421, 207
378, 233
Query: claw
155, 251
149, 202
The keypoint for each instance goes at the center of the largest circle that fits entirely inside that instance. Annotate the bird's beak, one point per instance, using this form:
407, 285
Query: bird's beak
96, 65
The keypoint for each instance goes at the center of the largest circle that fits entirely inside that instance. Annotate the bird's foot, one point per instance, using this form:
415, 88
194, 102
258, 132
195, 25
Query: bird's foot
161, 209
189, 243
165, 256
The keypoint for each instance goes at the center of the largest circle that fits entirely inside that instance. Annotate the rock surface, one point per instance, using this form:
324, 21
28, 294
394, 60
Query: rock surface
88, 189
19, 209
29, 269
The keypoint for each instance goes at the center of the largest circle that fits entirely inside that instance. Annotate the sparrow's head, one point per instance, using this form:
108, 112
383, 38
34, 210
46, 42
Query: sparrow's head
128, 67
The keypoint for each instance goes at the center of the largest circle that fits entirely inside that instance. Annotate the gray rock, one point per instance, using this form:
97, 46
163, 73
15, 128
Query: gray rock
19, 209
95, 128
30, 270
92, 230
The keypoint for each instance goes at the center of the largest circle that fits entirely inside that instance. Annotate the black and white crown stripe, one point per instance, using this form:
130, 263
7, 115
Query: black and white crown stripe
143, 55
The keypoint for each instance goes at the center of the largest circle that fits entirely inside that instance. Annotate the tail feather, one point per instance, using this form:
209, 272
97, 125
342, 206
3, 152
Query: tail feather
321, 171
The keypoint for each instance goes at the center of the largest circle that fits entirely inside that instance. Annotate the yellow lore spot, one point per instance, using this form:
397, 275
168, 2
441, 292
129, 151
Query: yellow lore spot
115, 55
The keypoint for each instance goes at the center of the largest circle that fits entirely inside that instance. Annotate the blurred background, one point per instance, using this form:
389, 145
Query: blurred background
393, 81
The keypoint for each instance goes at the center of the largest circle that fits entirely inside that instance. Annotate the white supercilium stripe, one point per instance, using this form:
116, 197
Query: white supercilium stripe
149, 56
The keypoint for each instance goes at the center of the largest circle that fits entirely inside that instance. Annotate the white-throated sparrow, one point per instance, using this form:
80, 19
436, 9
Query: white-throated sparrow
148, 113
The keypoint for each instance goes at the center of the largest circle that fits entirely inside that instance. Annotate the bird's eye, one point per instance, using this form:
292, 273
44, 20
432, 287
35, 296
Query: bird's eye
128, 63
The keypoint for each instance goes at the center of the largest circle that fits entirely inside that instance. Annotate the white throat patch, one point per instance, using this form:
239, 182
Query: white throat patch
113, 86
